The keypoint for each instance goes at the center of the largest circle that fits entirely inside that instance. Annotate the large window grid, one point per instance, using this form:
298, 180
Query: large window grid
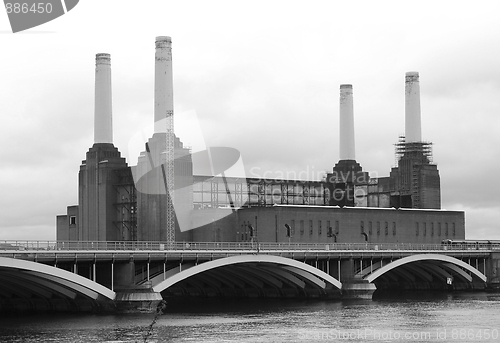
212, 192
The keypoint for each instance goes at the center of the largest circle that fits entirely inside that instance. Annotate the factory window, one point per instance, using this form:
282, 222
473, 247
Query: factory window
362, 226
319, 227
394, 228
416, 229
432, 229
301, 227
446, 229
453, 229
337, 227
386, 228
72, 220
425, 229
378, 228
328, 226
310, 227
439, 229
369, 228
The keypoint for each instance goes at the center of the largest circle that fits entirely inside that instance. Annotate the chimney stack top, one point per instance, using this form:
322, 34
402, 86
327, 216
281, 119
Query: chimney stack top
413, 127
103, 126
412, 76
346, 133
103, 58
163, 42
163, 39
163, 96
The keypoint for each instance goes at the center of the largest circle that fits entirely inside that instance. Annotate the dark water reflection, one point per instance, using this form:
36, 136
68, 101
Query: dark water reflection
457, 317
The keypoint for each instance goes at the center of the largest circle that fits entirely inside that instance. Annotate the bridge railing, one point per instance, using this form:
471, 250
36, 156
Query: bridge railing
225, 246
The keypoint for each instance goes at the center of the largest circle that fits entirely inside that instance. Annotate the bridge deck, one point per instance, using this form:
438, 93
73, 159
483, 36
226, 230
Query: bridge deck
183, 246
125, 250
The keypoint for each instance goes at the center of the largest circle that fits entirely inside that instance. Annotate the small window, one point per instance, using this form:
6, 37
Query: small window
439, 229
362, 226
416, 229
301, 227
453, 229
386, 228
394, 228
425, 229
378, 228
369, 228
337, 227
432, 229
310, 227
319, 227
446, 229
72, 220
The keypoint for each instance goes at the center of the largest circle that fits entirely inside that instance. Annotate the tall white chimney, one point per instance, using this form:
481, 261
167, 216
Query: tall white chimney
164, 93
413, 129
346, 124
103, 123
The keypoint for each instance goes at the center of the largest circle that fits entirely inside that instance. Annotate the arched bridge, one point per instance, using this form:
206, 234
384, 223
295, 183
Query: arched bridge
244, 275
82, 275
423, 271
39, 286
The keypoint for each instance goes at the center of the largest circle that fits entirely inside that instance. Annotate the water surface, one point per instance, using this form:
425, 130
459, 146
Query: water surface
457, 317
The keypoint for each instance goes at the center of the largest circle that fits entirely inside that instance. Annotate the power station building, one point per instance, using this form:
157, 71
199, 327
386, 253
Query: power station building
161, 200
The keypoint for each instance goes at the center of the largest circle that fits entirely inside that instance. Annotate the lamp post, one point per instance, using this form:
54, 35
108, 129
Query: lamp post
288, 233
253, 234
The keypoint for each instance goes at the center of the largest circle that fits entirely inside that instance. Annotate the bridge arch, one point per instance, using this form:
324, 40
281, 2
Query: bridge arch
28, 279
451, 264
257, 270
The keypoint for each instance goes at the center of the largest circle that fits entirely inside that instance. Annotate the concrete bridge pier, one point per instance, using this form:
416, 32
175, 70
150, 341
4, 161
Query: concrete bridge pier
493, 272
352, 287
132, 298
358, 289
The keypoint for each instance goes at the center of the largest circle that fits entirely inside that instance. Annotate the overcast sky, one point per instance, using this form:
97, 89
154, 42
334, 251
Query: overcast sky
262, 77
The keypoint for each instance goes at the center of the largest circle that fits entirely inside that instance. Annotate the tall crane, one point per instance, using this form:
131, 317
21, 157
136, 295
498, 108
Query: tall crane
169, 183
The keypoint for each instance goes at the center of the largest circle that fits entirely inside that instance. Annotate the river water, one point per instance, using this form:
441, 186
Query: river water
453, 317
